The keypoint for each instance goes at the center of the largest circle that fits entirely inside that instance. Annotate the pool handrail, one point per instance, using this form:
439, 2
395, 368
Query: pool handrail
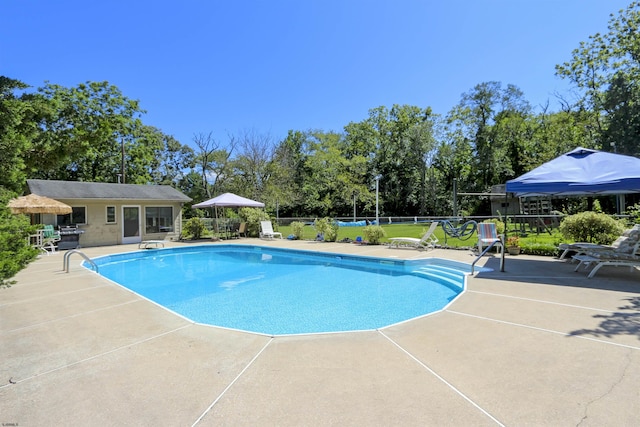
65, 261
487, 250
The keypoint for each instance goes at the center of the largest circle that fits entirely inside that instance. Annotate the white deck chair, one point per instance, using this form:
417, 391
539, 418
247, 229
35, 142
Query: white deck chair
428, 241
266, 231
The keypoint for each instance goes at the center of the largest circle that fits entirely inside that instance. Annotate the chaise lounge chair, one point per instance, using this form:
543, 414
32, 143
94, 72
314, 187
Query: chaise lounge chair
428, 241
266, 231
487, 234
623, 255
581, 248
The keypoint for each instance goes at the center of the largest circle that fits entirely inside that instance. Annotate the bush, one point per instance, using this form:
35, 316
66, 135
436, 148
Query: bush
252, 217
591, 227
194, 228
543, 249
328, 228
297, 228
373, 234
15, 249
634, 213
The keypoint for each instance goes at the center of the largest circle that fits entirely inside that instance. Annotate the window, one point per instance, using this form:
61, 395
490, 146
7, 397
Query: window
77, 216
111, 214
158, 219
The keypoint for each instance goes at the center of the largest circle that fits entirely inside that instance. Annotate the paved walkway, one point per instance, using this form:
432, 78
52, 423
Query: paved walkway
537, 345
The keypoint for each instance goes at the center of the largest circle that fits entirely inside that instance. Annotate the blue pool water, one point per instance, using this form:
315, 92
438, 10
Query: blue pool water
279, 292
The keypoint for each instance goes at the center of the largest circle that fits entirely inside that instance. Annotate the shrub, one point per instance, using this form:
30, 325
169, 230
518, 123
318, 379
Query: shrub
252, 217
544, 249
373, 234
297, 228
194, 228
591, 227
328, 228
634, 213
15, 250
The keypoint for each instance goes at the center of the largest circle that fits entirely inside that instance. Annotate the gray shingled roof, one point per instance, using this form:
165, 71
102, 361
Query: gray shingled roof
103, 190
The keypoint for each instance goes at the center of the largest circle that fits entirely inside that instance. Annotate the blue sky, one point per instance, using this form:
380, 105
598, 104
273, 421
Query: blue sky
269, 66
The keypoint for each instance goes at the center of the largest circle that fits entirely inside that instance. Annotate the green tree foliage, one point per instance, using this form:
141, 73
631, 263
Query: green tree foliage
399, 144
288, 174
84, 129
82, 133
15, 250
16, 131
606, 69
252, 164
494, 120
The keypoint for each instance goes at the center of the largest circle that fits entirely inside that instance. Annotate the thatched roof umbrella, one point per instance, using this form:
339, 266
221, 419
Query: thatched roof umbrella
34, 204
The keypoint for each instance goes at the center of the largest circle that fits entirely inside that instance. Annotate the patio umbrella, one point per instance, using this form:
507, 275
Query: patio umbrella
34, 204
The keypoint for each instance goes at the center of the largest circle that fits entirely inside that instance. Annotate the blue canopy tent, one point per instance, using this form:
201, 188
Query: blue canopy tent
580, 172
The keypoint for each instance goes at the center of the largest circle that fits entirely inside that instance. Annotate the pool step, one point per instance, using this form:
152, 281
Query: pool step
441, 274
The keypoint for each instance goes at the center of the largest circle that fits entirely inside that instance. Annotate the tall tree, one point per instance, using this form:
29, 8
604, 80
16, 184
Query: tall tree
83, 132
213, 160
288, 173
16, 132
475, 118
399, 139
327, 186
251, 169
605, 70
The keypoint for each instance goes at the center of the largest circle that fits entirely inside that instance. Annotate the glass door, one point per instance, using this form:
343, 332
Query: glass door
131, 224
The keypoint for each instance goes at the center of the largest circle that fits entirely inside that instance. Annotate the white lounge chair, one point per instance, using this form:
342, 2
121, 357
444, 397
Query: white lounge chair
266, 231
623, 255
428, 241
601, 259
581, 248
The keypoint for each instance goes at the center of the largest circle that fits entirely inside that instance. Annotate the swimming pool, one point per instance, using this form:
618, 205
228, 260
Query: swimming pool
277, 291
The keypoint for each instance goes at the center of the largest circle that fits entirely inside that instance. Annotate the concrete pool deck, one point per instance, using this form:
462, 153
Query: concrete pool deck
536, 345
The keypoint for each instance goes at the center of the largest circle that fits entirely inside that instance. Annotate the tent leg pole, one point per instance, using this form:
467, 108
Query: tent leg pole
506, 230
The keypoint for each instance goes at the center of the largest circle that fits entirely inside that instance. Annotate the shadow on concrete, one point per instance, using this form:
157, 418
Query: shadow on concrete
624, 322
553, 271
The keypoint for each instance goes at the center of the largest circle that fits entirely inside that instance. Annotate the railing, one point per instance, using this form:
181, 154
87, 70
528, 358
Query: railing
487, 250
65, 261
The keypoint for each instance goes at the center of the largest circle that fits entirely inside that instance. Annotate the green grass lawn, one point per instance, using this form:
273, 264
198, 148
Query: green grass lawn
543, 243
